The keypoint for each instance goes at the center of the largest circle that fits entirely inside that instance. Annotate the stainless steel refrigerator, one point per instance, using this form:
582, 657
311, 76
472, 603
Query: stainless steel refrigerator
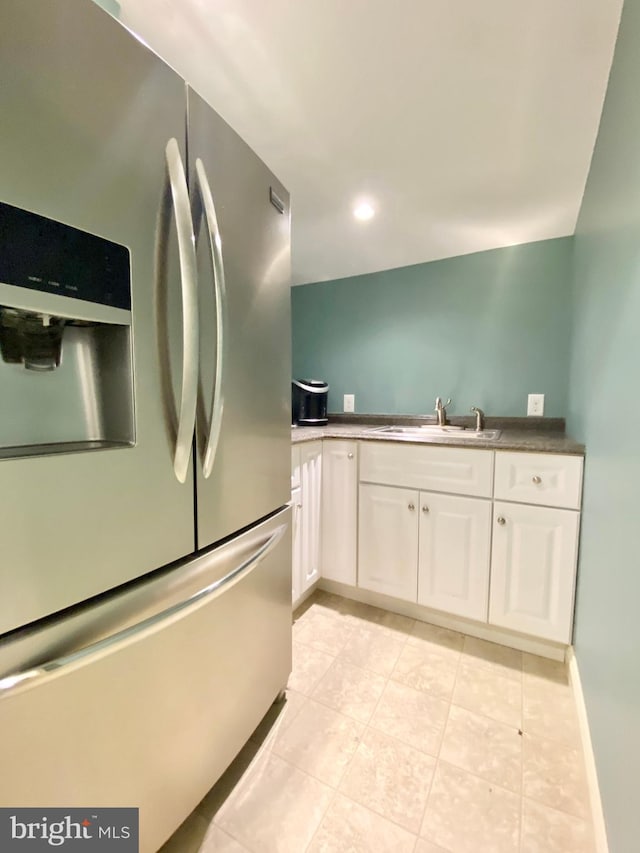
144, 426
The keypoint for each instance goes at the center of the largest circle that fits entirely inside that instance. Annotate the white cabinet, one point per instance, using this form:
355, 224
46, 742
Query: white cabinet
295, 467
296, 544
535, 543
310, 512
453, 564
388, 540
419, 543
487, 536
339, 511
426, 547
456, 470
547, 479
533, 569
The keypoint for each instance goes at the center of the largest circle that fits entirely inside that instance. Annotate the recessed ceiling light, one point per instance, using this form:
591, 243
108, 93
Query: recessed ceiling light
363, 211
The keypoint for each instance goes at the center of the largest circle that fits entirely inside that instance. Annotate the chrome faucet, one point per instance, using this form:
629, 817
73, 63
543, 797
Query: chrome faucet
479, 418
441, 411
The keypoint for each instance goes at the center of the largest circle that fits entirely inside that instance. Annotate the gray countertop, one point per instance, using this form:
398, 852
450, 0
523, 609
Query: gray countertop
545, 438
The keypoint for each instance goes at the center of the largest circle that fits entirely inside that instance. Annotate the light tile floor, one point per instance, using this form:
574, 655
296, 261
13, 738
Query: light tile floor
400, 737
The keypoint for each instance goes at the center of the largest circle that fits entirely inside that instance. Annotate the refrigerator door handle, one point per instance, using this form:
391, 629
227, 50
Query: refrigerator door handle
215, 245
190, 328
83, 656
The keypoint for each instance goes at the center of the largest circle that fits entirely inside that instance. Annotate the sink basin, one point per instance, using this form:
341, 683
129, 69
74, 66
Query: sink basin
433, 430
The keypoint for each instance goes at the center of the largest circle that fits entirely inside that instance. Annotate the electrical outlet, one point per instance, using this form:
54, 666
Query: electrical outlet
535, 405
349, 403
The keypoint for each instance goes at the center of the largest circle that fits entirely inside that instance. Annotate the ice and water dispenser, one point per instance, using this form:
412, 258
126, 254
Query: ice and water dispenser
66, 377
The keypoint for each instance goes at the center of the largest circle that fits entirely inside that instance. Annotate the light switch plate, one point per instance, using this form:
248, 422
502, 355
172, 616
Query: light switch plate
535, 405
349, 403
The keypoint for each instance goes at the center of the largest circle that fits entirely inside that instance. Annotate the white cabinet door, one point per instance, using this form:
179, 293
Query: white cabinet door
295, 466
296, 544
339, 510
533, 569
454, 554
311, 486
388, 541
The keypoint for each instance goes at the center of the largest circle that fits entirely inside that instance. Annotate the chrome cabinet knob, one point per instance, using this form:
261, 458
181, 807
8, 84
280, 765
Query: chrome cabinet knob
349, 455
537, 480
502, 520
425, 509
412, 507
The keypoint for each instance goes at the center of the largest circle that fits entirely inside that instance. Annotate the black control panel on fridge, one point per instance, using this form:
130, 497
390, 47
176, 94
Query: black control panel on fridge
42, 254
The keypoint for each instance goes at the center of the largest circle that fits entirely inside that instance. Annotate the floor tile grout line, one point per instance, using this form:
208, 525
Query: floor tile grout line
486, 717
305, 773
338, 711
480, 778
540, 802
305, 699
308, 695
368, 669
378, 813
231, 835
459, 704
441, 740
400, 741
567, 748
446, 722
313, 775
312, 645
333, 708
394, 737
321, 821
330, 708
368, 727
572, 815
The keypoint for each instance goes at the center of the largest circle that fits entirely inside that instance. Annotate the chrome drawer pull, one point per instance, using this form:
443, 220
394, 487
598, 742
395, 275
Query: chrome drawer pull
502, 520
537, 480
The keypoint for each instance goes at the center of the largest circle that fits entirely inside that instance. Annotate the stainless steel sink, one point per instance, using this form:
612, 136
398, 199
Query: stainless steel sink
433, 430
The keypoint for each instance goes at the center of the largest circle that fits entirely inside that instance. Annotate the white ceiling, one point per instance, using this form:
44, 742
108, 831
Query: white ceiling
469, 125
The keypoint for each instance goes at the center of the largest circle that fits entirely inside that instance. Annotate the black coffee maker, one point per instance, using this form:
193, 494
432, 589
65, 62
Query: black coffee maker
309, 402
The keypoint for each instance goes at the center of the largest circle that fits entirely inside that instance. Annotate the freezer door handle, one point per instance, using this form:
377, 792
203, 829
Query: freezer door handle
83, 656
215, 245
190, 326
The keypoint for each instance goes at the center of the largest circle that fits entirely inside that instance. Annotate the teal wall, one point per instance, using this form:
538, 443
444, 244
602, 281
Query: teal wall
484, 329
605, 413
111, 6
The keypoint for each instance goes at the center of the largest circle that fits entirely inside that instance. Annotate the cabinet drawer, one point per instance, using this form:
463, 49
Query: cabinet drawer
539, 478
438, 469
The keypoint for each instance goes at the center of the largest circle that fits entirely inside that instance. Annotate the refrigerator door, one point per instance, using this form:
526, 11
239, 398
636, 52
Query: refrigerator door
151, 715
88, 115
242, 225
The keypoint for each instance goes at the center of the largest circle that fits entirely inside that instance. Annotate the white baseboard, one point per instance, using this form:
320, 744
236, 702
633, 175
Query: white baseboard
599, 826
543, 648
